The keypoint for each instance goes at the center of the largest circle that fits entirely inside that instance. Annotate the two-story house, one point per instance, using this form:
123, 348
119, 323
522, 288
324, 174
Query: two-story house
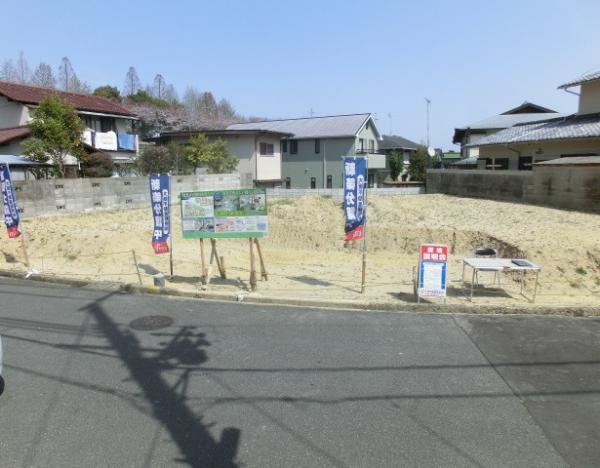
258, 152
109, 127
575, 135
313, 150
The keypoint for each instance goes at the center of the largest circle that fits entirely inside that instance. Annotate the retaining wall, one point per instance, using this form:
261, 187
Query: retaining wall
56, 196
567, 187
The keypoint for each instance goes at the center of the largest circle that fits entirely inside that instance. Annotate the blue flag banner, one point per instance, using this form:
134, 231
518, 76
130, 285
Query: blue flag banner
159, 197
355, 174
11, 211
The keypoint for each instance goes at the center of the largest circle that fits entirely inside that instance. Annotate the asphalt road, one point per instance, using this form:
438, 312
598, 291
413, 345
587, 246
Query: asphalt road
231, 385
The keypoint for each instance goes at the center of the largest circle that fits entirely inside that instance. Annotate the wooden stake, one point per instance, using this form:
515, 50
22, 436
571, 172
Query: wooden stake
220, 263
203, 272
263, 271
25, 253
137, 268
252, 265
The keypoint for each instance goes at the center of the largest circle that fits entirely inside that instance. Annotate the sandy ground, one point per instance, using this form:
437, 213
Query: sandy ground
306, 258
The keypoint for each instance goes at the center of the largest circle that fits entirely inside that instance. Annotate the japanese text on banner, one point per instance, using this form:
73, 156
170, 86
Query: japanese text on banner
11, 211
354, 174
159, 197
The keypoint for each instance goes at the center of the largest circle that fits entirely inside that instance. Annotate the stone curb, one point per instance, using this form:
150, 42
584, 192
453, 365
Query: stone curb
253, 298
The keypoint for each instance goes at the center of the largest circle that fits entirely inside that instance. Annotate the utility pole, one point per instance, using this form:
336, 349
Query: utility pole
428, 103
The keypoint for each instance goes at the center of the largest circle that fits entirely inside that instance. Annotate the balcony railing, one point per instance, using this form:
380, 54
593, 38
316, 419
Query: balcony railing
111, 141
365, 151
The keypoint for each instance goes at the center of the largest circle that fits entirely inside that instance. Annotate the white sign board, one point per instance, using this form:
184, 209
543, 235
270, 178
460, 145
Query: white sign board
433, 270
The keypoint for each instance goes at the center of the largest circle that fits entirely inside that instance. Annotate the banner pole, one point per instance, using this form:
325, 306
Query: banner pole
364, 253
171, 229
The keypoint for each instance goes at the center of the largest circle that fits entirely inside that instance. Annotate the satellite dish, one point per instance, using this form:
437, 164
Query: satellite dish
431, 151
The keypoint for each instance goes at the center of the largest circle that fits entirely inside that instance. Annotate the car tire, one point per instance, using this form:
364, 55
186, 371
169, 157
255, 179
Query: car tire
1, 385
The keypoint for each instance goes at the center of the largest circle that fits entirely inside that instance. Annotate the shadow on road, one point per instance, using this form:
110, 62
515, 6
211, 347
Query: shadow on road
196, 444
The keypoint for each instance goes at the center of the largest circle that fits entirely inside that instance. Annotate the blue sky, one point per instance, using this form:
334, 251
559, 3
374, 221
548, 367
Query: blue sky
279, 59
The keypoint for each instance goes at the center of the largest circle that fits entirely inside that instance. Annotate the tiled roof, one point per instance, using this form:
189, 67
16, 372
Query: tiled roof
27, 94
390, 142
527, 108
582, 79
8, 134
311, 127
572, 127
508, 120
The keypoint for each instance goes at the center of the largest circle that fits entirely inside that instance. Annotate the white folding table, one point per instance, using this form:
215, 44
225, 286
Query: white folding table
500, 265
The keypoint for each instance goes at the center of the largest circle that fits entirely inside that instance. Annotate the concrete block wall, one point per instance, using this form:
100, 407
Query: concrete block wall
567, 187
57, 196
339, 193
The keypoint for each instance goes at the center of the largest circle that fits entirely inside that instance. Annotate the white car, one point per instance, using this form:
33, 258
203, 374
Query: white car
1, 379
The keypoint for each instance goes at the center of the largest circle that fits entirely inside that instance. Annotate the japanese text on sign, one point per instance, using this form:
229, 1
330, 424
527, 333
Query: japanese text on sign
433, 270
224, 213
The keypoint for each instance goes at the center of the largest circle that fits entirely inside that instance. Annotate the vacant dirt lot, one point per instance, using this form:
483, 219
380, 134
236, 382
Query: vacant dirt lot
306, 257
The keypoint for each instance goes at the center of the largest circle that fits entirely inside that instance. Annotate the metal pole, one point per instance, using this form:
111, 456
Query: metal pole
171, 229
428, 102
364, 255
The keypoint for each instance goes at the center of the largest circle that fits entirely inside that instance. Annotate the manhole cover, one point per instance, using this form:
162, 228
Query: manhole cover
151, 322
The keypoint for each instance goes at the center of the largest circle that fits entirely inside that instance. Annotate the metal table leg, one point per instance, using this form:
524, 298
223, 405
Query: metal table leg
535, 286
472, 282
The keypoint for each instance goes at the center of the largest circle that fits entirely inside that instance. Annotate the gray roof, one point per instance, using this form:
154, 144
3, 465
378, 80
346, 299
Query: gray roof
390, 142
334, 126
572, 127
572, 161
506, 121
18, 161
466, 162
593, 76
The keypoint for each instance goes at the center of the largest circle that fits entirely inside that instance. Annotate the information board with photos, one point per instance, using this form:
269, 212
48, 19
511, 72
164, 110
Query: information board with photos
224, 213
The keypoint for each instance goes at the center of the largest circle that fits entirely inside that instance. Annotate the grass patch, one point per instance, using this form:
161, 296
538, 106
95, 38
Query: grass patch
581, 271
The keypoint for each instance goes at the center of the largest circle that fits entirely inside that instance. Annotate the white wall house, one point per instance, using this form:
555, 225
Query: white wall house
259, 152
109, 127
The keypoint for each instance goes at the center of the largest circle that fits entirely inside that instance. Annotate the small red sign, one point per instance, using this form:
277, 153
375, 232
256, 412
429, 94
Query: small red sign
160, 247
433, 253
355, 234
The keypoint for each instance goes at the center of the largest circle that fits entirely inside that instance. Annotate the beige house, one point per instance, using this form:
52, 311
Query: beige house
109, 127
259, 152
575, 135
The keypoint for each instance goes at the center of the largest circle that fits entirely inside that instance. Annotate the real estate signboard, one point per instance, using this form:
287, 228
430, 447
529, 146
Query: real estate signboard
224, 213
433, 270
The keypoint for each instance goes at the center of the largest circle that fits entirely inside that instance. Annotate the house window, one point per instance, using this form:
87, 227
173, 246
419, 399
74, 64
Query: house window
317, 145
361, 145
371, 146
525, 163
266, 149
284, 146
313, 182
329, 181
293, 146
107, 124
288, 182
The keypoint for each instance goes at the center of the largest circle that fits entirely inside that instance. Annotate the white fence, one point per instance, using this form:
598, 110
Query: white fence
339, 193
